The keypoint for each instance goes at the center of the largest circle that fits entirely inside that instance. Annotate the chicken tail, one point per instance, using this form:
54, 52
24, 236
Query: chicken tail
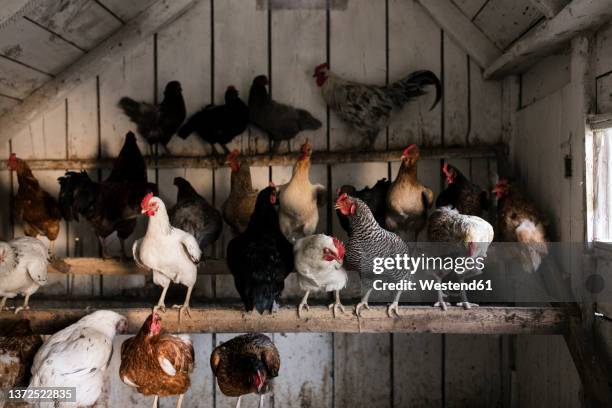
130, 107
307, 121
263, 297
412, 86
187, 129
76, 194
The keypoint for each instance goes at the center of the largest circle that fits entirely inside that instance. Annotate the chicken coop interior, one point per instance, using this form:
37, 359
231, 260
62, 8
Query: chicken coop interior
497, 90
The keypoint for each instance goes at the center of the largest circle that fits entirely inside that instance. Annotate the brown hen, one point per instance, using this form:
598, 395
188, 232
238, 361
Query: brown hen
18, 346
238, 207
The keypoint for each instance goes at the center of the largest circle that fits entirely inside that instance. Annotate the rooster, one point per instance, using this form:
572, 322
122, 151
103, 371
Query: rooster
518, 220
318, 263
18, 345
23, 269
239, 205
112, 205
465, 196
299, 200
219, 124
472, 236
368, 108
194, 215
374, 197
261, 257
171, 253
408, 199
157, 123
78, 356
34, 207
246, 364
367, 241
155, 363
280, 121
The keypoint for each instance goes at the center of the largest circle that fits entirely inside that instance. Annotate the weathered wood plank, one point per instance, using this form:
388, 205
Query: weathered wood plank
14, 9
603, 56
545, 77
549, 8
470, 7
126, 10
604, 94
17, 81
456, 94
485, 108
7, 103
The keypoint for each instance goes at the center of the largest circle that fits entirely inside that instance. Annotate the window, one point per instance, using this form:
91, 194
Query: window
599, 184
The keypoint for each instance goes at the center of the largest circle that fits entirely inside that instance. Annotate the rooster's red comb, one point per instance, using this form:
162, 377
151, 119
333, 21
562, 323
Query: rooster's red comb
409, 149
319, 67
339, 247
145, 201
12, 157
445, 169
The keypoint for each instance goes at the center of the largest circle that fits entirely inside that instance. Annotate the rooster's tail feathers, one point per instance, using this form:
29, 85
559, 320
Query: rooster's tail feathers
187, 129
130, 107
307, 121
69, 202
412, 86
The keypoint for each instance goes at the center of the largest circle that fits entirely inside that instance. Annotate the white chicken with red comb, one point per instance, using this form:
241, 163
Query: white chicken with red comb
318, 263
170, 253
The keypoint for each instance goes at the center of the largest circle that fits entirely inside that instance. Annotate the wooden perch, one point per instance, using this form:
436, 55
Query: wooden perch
113, 49
98, 266
462, 30
265, 160
576, 17
46, 319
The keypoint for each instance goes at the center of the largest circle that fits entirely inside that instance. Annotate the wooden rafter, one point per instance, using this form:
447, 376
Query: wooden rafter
549, 8
576, 17
119, 44
13, 9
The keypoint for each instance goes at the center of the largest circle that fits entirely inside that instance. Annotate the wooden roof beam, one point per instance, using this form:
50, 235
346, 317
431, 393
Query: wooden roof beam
159, 14
549, 8
14, 9
576, 17
467, 35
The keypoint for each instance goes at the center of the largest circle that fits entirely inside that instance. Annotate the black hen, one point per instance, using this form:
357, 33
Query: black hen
157, 123
219, 124
280, 121
462, 194
261, 257
374, 197
193, 214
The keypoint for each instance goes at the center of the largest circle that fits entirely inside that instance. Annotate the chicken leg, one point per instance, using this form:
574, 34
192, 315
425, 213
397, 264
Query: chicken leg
363, 303
160, 304
25, 306
184, 308
465, 303
261, 399
303, 304
238, 402
3, 304
337, 305
180, 401
393, 308
441, 303
155, 401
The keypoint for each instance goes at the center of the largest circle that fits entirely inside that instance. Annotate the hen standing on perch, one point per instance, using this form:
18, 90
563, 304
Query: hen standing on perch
171, 253
23, 269
18, 345
219, 123
261, 257
460, 193
155, 363
299, 200
472, 235
280, 121
157, 123
374, 197
239, 205
368, 108
367, 241
408, 199
246, 364
318, 263
37, 209
194, 215
78, 357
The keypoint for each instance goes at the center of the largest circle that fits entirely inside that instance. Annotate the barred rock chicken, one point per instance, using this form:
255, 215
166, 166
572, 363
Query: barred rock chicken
78, 357
367, 241
280, 121
114, 204
18, 345
299, 200
219, 123
238, 207
261, 257
472, 236
518, 220
171, 253
465, 196
246, 364
318, 263
23, 269
194, 215
34, 207
157, 123
156, 363
408, 199
374, 197
368, 108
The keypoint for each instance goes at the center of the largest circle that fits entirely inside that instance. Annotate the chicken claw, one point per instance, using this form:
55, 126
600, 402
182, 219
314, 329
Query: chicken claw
442, 305
20, 308
393, 310
183, 309
336, 306
359, 306
158, 307
303, 305
467, 305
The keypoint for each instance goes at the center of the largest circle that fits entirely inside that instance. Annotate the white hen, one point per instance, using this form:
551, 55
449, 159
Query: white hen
171, 253
318, 262
78, 356
23, 269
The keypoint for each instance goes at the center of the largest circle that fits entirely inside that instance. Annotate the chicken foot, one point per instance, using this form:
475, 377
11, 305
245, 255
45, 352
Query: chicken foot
337, 305
363, 303
160, 304
393, 308
25, 306
441, 303
464, 300
184, 308
303, 304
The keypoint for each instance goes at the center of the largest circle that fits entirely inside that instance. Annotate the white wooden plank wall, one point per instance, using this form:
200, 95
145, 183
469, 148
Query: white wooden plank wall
227, 42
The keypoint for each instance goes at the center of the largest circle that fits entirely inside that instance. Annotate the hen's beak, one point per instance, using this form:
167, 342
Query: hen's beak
144, 211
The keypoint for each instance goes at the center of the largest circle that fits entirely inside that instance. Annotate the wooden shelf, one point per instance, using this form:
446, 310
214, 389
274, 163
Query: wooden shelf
49, 317
99, 266
287, 159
